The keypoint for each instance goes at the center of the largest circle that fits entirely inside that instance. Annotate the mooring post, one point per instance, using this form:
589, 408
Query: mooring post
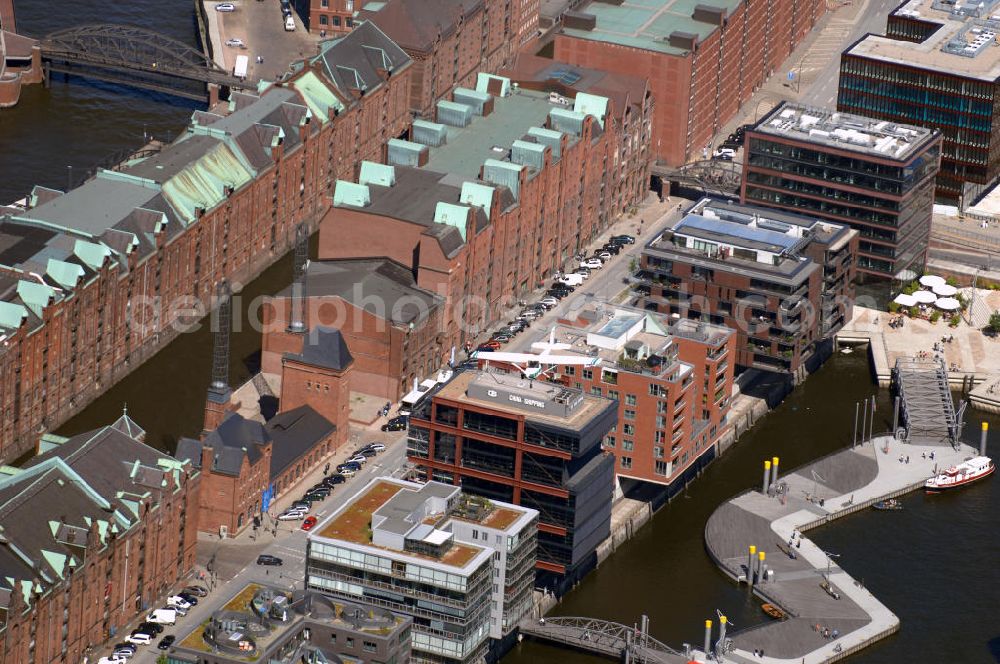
762, 568
774, 471
708, 639
767, 477
750, 565
895, 415
857, 405
720, 645
982, 439
864, 421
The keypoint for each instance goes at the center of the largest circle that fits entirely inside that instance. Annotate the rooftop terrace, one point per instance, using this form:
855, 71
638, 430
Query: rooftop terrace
536, 400
666, 26
965, 45
845, 131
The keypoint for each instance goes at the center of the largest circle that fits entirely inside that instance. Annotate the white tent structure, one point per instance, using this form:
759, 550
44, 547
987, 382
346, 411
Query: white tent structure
944, 290
948, 304
905, 300
931, 280
924, 297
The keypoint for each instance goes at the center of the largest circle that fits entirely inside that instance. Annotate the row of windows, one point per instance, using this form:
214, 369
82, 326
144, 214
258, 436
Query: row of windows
889, 72
923, 96
921, 115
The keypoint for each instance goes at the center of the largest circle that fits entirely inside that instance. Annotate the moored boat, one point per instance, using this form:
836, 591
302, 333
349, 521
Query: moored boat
889, 504
967, 472
772, 610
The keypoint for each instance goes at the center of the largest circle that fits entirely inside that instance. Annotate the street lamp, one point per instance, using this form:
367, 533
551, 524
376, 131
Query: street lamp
829, 560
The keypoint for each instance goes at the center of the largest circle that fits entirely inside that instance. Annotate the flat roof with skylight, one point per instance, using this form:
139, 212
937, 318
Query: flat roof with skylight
845, 131
965, 45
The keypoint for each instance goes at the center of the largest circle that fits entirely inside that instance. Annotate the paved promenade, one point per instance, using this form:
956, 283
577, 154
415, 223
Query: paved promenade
831, 487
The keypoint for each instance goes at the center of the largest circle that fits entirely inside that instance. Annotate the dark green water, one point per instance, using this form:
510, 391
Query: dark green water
934, 564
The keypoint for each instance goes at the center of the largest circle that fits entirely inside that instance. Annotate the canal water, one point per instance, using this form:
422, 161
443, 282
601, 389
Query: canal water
934, 563
79, 123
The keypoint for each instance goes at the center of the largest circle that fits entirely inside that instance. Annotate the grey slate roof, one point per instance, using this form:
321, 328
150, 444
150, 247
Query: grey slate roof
355, 60
294, 433
324, 347
416, 24
380, 278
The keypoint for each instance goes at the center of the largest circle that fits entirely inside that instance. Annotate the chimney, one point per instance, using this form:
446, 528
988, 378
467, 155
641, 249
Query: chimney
297, 320
218, 392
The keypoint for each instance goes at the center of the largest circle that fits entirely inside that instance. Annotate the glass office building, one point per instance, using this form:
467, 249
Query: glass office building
937, 66
874, 175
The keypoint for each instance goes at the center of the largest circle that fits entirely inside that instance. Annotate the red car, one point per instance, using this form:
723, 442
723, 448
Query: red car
489, 345
309, 523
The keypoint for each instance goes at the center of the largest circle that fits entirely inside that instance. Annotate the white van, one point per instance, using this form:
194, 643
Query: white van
572, 279
162, 616
289, 24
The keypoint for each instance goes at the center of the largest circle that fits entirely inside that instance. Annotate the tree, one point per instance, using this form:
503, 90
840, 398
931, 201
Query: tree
893, 307
995, 322
935, 316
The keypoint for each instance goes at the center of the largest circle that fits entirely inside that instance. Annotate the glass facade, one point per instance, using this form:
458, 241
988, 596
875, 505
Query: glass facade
962, 109
889, 204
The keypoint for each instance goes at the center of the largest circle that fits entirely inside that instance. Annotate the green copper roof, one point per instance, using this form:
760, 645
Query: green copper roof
35, 295
478, 195
202, 183
57, 561
65, 274
483, 82
91, 253
503, 173
548, 137
591, 105
380, 174
319, 98
452, 215
351, 193
11, 315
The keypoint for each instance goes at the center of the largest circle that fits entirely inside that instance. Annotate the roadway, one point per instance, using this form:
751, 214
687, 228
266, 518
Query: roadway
234, 559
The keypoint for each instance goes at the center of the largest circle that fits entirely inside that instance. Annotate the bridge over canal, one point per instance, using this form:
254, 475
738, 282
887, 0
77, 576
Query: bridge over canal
628, 644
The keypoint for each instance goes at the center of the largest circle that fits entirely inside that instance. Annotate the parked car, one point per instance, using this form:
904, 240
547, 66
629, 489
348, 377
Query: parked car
166, 642
225, 7
723, 152
358, 458
197, 591
612, 248
151, 627
236, 43
347, 472
178, 602
269, 560
399, 423
558, 293
722, 157
551, 301
309, 523
603, 254
624, 239
592, 263
112, 660
289, 23
139, 639
531, 314
296, 515
124, 651
501, 337
333, 479
162, 616
366, 452
376, 447
190, 599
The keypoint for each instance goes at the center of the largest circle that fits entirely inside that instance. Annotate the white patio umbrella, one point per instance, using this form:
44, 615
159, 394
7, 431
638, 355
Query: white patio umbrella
905, 300
931, 280
948, 304
924, 296
944, 290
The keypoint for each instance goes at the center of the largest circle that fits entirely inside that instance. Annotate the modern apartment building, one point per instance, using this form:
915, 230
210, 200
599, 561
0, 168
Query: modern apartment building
874, 175
703, 61
93, 280
482, 205
782, 281
276, 626
937, 66
461, 566
672, 381
530, 443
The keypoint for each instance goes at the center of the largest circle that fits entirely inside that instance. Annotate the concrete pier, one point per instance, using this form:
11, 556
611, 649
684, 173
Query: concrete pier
829, 488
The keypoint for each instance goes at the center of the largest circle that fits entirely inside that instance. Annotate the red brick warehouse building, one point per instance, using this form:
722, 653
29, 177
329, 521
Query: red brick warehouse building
482, 205
450, 41
78, 268
702, 63
97, 529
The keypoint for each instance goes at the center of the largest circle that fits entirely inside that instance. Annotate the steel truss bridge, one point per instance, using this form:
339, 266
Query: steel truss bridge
602, 637
133, 56
928, 411
712, 176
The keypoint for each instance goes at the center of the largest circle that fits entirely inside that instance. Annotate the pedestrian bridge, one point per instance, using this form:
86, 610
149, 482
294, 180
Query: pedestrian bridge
602, 637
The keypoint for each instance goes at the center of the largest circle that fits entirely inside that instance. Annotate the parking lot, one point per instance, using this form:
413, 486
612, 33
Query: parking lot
260, 25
